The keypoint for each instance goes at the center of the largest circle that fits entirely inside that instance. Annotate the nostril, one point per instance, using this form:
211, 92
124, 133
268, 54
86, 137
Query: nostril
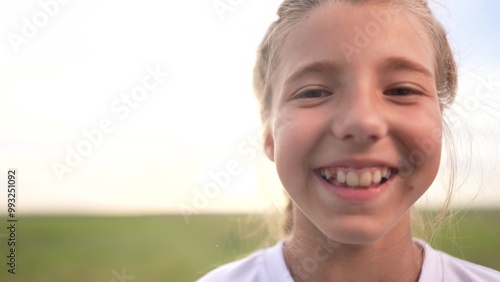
360, 130
361, 138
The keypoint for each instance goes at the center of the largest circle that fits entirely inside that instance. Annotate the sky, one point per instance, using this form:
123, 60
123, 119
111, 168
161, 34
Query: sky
128, 107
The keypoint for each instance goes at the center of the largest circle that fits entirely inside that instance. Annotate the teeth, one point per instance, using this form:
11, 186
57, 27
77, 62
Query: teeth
366, 179
352, 179
385, 172
377, 177
327, 174
341, 176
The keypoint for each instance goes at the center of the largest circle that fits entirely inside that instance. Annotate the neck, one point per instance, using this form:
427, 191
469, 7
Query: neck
312, 256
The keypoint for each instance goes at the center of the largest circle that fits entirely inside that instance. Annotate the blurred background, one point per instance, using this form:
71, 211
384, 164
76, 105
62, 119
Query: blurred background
129, 121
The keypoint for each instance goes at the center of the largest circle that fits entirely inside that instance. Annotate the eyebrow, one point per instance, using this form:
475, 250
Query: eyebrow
392, 63
315, 67
403, 64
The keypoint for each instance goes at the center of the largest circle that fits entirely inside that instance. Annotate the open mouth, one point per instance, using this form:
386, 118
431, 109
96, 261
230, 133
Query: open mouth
354, 178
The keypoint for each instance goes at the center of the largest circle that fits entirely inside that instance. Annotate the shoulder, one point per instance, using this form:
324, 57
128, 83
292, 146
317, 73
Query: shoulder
263, 265
439, 266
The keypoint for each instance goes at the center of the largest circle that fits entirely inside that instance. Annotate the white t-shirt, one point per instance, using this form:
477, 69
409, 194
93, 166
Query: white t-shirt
268, 265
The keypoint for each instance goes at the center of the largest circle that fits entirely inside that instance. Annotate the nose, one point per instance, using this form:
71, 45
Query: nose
360, 119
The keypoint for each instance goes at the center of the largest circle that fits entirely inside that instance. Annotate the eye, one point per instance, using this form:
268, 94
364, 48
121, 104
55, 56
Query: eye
401, 91
313, 93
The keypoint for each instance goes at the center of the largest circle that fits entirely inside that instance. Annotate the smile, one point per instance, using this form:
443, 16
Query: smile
356, 178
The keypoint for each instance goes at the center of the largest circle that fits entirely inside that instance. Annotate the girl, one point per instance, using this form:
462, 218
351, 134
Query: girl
352, 94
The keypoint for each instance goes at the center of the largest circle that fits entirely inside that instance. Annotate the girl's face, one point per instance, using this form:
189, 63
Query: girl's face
356, 127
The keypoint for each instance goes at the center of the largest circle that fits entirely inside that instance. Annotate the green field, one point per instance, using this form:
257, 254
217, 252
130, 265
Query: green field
166, 248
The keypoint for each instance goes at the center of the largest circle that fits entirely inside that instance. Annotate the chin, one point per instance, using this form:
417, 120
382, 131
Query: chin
356, 231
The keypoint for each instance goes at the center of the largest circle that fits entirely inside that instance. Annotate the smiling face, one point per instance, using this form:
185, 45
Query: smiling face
356, 122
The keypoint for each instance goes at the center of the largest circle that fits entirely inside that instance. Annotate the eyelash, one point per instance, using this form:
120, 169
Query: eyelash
323, 93
304, 94
407, 90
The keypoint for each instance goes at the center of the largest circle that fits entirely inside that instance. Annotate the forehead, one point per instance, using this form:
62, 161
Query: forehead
355, 36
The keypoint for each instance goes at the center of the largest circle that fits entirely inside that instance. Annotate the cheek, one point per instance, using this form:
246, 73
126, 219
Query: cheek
422, 152
295, 139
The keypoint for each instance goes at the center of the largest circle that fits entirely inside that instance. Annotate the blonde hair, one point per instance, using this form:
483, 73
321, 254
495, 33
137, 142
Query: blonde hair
292, 12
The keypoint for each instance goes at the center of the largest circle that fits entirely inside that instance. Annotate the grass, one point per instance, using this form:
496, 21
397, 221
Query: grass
166, 248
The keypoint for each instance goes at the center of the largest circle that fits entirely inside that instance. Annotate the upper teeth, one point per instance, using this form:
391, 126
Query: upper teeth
353, 178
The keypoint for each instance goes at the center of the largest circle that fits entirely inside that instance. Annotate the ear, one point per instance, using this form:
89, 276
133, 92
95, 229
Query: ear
269, 144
